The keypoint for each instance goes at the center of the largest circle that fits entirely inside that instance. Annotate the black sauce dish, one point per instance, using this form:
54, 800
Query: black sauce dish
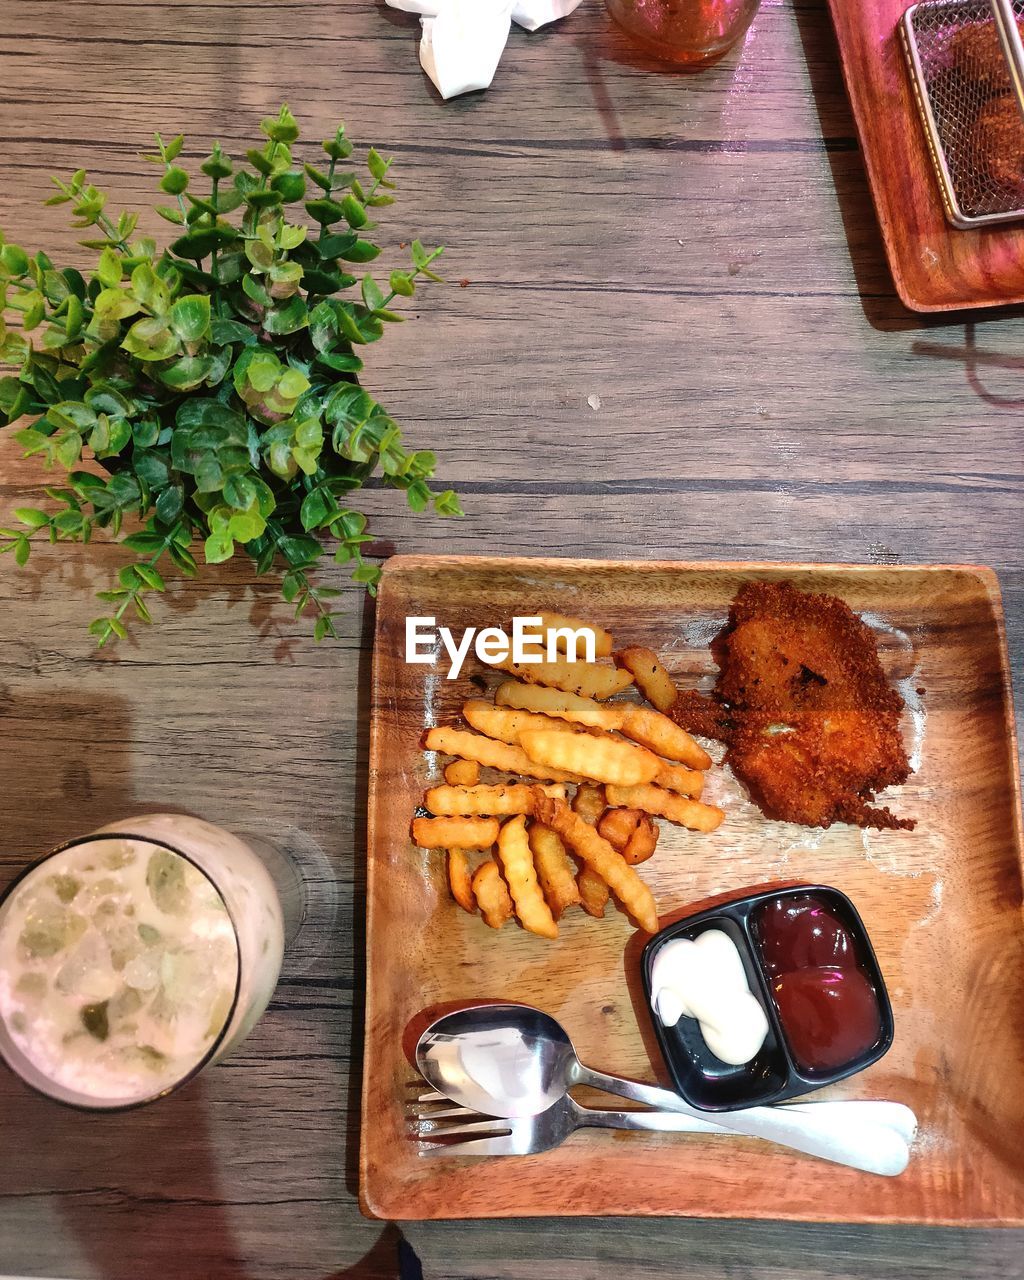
777, 1072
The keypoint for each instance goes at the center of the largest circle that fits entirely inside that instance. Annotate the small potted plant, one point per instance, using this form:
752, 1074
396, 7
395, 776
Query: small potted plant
208, 394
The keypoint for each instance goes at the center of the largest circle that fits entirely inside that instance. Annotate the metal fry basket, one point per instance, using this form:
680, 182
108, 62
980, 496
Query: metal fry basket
967, 68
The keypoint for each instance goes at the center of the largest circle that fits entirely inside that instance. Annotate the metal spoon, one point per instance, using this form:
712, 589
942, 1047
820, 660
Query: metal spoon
513, 1060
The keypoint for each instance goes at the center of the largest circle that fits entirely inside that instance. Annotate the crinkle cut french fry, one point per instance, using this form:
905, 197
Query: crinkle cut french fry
676, 777
485, 751
597, 853
593, 891
665, 804
554, 870
662, 735
491, 894
521, 877
589, 802
460, 881
653, 681
505, 723
486, 799
588, 679
604, 759
462, 773
460, 833
603, 643
556, 702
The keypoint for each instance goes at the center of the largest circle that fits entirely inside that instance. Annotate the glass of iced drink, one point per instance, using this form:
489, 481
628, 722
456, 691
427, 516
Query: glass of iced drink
132, 958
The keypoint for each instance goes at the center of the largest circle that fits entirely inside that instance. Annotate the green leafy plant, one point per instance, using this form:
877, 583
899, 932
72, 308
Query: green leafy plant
209, 393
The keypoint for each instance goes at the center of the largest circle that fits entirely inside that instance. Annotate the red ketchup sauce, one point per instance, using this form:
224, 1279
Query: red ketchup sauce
828, 1008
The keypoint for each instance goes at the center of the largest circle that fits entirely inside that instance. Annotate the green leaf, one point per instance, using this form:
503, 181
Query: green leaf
22, 551
14, 260
239, 492
402, 284
321, 179
354, 213
169, 505
190, 316
325, 211
283, 128
338, 147
186, 374
343, 363
334, 246
150, 339
31, 516
288, 318
218, 547
360, 251
223, 332
151, 468
150, 577
109, 269
372, 296
150, 290
200, 244
376, 164
174, 181
291, 186
218, 165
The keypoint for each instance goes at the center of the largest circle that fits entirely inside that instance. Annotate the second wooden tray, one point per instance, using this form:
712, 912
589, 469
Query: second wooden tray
934, 266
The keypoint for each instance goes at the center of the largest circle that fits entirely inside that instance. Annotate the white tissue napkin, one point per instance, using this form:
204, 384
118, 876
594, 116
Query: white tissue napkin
532, 14
463, 39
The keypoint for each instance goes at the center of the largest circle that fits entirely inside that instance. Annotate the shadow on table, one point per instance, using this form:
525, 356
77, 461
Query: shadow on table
74, 1165
66, 768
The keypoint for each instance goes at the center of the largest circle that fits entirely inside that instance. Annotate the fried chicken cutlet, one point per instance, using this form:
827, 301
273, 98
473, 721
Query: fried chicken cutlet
811, 723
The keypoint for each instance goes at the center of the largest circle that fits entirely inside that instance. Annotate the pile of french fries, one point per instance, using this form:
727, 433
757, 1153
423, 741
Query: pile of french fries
544, 851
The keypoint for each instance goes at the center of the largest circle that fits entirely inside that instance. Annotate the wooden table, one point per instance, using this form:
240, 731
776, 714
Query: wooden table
677, 339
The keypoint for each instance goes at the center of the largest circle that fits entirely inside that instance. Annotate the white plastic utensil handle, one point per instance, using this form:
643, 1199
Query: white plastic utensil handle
872, 1148
810, 1133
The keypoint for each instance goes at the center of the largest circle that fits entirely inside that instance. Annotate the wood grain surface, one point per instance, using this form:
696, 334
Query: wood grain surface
941, 904
936, 267
697, 257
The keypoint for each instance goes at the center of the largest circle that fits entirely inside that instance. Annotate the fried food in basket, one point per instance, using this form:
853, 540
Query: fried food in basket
653, 681
666, 804
491, 894
977, 55
604, 759
998, 142
496, 755
462, 773
497, 800
459, 833
460, 881
598, 854
554, 870
521, 877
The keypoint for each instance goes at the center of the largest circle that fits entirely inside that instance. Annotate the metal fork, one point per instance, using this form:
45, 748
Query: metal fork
855, 1140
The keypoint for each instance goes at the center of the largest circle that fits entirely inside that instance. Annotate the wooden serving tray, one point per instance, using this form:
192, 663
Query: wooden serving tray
942, 905
935, 267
